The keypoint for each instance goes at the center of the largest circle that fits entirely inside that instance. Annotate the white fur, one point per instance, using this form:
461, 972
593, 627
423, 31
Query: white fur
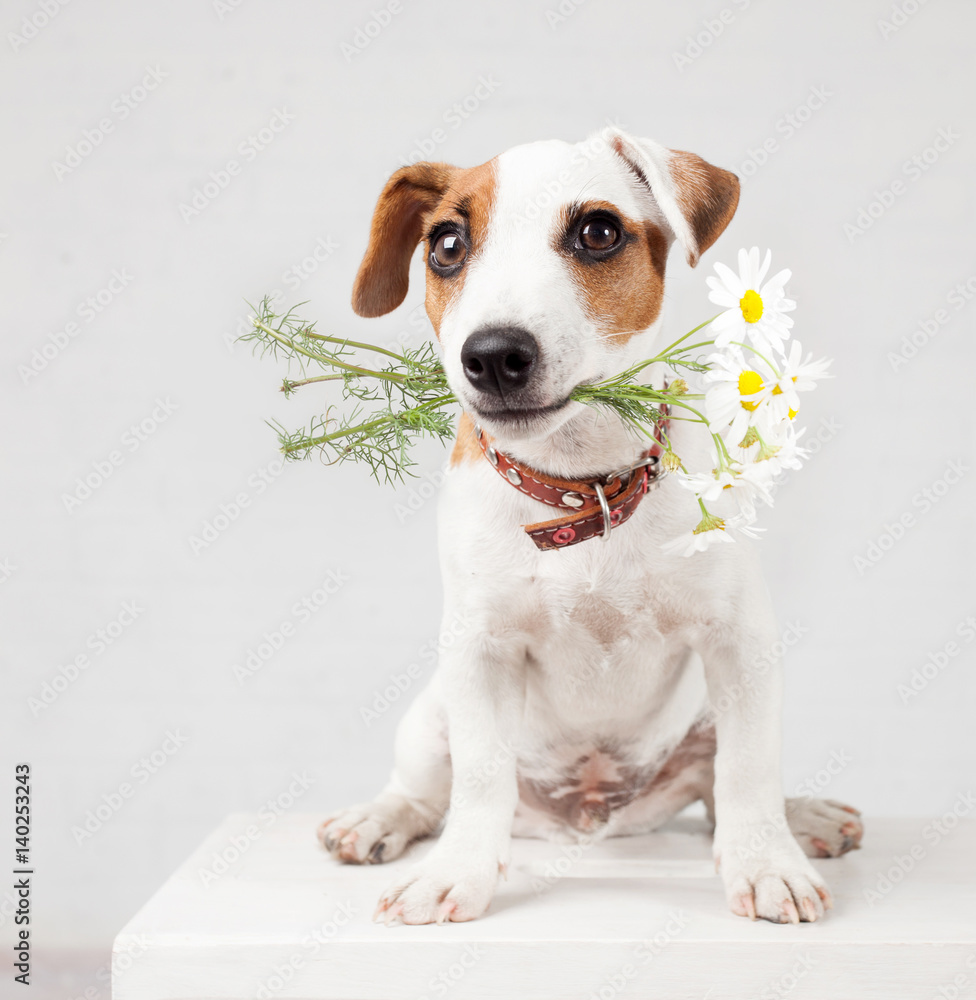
532, 683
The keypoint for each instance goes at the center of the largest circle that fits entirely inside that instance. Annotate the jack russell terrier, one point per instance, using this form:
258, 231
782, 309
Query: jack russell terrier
600, 689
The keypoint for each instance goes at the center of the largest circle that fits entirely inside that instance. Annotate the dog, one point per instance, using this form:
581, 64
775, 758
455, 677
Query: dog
598, 689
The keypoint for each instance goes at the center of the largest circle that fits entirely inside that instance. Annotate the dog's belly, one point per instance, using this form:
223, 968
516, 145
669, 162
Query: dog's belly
600, 790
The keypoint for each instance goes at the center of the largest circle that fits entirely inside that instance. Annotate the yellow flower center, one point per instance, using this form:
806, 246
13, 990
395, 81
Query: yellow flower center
750, 382
752, 306
777, 391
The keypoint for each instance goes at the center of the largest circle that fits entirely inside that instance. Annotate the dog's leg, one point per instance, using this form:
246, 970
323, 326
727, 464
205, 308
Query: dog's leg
413, 803
824, 828
765, 872
483, 692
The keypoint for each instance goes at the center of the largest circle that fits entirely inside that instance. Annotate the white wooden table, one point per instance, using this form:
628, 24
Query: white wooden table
639, 917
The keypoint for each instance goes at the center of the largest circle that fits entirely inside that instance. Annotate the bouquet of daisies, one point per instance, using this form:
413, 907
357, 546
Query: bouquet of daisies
743, 384
752, 385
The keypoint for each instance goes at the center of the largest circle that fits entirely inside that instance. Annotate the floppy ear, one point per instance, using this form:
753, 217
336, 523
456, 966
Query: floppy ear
696, 199
396, 229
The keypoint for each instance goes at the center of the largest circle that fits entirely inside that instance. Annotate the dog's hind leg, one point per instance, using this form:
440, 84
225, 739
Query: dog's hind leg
824, 828
414, 801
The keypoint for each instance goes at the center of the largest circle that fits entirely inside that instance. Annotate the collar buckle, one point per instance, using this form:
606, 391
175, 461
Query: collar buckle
604, 509
639, 464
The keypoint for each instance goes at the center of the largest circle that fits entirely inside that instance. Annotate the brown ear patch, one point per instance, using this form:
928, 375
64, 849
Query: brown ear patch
622, 294
707, 196
397, 227
469, 202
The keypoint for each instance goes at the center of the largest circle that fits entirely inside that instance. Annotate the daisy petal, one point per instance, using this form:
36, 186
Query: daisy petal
730, 279
765, 265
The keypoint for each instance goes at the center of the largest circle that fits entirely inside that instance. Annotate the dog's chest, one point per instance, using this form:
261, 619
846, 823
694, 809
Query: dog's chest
601, 609
602, 641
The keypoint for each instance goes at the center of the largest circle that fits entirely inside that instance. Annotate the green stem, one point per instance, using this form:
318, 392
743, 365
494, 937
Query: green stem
722, 450
365, 427
700, 326
355, 343
678, 402
307, 443
307, 381
368, 372
693, 347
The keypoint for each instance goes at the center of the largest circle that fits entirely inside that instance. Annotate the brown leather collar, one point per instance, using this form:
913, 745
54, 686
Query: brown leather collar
596, 505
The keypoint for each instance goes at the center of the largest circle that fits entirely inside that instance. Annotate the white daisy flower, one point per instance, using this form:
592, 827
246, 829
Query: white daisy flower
750, 490
736, 393
788, 454
709, 531
796, 375
744, 524
754, 310
778, 451
689, 543
708, 485
720, 484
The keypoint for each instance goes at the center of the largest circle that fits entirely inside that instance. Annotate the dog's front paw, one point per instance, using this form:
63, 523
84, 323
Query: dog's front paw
440, 889
773, 882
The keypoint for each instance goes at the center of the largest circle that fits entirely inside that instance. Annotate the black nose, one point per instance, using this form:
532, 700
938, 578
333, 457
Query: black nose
499, 359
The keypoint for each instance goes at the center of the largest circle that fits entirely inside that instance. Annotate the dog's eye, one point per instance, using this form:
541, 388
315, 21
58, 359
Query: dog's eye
598, 234
448, 250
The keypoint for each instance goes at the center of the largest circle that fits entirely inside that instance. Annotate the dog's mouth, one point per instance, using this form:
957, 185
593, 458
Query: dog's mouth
519, 415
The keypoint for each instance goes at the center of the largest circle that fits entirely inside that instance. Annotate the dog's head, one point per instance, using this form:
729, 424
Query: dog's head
545, 266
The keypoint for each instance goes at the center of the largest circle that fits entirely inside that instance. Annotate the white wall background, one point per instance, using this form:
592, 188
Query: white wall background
167, 335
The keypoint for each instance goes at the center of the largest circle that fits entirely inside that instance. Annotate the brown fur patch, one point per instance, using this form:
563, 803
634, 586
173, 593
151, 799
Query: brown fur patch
623, 293
466, 447
473, 191
397, 227
695, 751
601, 619
707, 196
